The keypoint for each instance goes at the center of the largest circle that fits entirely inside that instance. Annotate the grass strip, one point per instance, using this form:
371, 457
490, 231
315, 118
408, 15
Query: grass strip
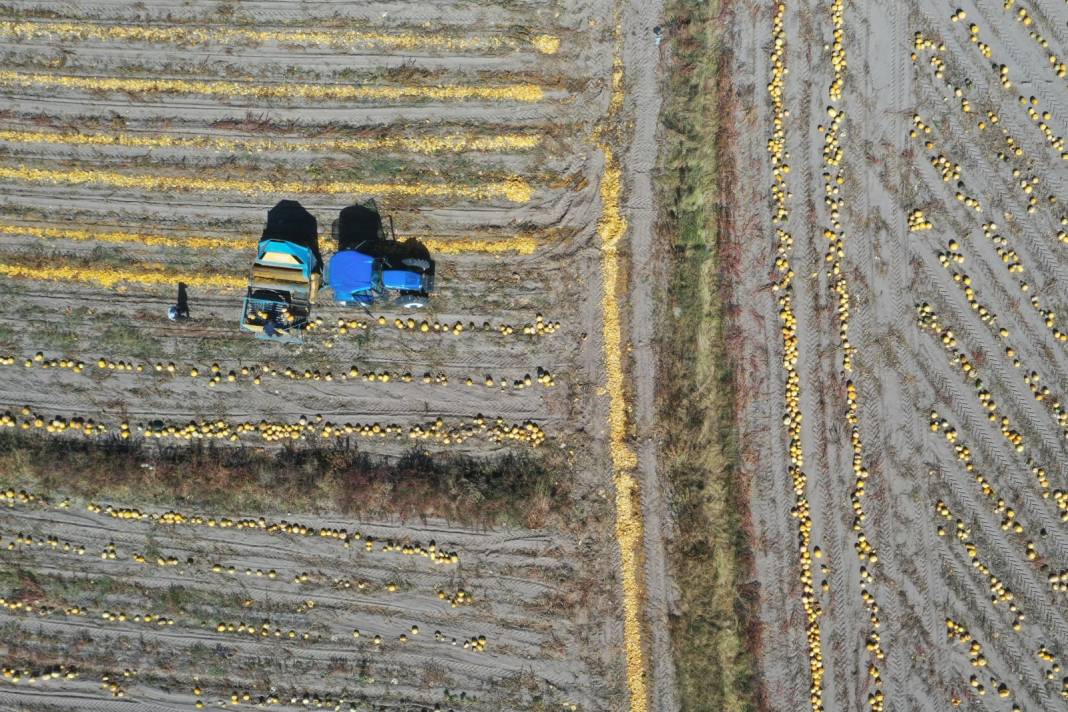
512, 489
709, 553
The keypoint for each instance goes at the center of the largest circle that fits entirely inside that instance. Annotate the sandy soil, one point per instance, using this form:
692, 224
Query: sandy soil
641, 56
547, 602
929, 568
503, 289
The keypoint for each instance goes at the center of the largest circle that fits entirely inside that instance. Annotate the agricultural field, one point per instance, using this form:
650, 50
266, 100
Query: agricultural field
753, 398
437, 510
898, 175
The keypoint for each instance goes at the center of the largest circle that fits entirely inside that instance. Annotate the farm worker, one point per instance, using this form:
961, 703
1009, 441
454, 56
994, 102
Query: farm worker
181, 309
270, 328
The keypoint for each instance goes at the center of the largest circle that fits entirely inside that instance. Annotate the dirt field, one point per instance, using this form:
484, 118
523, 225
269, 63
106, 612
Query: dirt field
103, 151
142, 146
884, 234
900, 209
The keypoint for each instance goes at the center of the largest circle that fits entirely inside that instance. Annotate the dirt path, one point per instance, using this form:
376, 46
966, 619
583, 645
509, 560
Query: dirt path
641, 55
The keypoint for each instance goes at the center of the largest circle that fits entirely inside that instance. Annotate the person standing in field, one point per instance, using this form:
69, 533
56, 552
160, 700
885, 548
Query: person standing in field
180, 311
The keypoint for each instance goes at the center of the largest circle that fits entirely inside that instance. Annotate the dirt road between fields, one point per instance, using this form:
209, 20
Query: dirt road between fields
641, 60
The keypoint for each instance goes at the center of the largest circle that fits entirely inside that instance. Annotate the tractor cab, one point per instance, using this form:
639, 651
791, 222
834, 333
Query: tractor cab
353, 278
370, 267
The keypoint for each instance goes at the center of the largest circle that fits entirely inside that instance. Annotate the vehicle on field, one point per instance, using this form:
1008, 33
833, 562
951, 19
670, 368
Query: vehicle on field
285, 276
370, 266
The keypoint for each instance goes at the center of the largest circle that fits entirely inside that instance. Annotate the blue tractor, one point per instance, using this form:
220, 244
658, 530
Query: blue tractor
285, 276
369, 266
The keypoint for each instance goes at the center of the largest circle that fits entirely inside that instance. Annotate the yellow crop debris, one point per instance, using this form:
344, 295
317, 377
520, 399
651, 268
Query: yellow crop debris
521, 244
286, 90
611, 228
514, 189
184, 35
108, 277
546, 44
629, 527
190, 241
524, 244
448, 143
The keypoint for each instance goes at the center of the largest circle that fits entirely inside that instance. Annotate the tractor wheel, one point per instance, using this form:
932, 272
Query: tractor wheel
412, 303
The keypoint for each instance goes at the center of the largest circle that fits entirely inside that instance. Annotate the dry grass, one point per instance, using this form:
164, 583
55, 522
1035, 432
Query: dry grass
709, 551
242, 36
340, 92
514, 189
425, 144
511, 489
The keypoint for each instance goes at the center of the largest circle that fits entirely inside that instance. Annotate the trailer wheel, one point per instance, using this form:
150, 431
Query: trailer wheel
422, 265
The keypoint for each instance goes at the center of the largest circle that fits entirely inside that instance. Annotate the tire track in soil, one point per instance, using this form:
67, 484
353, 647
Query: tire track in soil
579, 665
260, 548
1008, 406
942, 389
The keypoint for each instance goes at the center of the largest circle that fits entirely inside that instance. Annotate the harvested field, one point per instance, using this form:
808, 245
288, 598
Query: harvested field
753, 400
166, 136
899, 212
409, 511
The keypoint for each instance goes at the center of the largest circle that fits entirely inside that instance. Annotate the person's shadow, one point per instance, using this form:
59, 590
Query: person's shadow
183, 301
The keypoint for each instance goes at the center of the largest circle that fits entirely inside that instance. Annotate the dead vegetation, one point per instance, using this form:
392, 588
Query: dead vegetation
712, 630
513, 489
